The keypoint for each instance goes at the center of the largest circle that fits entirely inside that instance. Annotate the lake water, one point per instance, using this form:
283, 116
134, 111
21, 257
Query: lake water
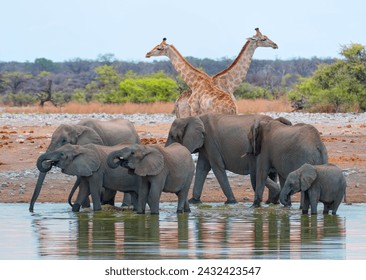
211, 231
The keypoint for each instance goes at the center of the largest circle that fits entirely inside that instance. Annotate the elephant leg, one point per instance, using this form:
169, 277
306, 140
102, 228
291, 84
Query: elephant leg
108, 196
327, 207
154, 197
95, 185
202, 169
186, 206
143, 197
82, 195
127, 199
273, 189
314, 207
183, 204
335, 206
221, 176
259, 188
314, 197
134, 200
305, 206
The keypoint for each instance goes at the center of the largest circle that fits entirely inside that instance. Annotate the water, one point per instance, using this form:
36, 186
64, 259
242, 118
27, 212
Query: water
212, 231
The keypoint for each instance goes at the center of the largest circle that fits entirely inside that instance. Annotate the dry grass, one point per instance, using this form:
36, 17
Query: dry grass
95, 107
244, 106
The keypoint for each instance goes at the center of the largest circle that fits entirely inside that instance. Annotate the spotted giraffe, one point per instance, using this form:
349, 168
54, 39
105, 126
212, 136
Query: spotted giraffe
229, 79
205, 96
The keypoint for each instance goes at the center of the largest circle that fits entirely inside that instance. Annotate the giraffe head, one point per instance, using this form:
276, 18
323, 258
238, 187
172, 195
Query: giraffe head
159, 50
262, 40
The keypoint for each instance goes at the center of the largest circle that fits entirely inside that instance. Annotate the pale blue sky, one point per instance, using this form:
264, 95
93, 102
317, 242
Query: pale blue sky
67, 29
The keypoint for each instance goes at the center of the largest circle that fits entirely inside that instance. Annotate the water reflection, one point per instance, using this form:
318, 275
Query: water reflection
54, 232
205, 233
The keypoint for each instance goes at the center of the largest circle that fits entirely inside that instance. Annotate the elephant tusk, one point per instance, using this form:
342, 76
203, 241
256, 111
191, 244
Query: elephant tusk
244, 155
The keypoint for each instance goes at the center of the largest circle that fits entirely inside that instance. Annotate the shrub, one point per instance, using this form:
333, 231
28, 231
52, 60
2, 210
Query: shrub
19, 99
248, 91
339, 87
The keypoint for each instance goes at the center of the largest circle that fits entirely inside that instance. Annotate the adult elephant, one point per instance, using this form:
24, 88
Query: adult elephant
108, 133
89, 163
283, 148
221, 141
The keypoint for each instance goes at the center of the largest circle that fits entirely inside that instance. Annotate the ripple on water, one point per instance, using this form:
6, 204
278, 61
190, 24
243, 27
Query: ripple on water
211, 230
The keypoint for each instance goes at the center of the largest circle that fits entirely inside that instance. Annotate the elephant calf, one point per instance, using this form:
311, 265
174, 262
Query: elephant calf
89, 162
162, 169
324, 183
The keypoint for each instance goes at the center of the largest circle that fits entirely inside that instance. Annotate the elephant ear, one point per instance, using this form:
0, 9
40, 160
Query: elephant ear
307, 177
255, 136
86, 135
84, 162
151, 163
194, 134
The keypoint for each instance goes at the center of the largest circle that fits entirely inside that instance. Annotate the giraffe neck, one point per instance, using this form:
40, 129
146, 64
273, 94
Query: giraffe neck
230, 78
189, 74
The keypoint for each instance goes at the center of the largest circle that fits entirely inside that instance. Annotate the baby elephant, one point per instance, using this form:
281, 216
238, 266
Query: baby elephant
162, 169
324, 183
89, 162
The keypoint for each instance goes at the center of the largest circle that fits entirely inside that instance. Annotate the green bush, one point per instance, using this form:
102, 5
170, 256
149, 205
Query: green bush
140, 89
79, 96
19, 99
248, 91
338, 87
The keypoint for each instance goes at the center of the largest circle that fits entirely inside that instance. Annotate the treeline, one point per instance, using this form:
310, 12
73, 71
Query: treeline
107, 79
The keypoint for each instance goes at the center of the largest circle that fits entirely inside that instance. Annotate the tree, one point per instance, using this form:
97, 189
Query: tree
43, 64
107, 58
14, 81
112, 88
336, 87
78, 65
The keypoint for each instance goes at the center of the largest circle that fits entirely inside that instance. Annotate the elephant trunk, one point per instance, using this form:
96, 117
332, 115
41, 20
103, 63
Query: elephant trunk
45, 161
37, 190
285, 196
42, 175
115, 158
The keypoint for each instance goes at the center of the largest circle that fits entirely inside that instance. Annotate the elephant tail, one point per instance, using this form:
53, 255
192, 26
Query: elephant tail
77, 183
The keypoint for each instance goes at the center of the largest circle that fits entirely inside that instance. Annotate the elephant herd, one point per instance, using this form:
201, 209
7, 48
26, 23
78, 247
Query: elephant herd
106, 157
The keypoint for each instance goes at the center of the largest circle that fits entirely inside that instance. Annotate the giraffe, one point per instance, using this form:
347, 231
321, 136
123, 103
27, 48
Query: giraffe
205, 96
229, 79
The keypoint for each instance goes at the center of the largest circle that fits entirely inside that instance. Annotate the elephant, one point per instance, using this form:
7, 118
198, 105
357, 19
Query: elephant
283, 148
89, 163
325, 183
162, 169
220, 140
109, 133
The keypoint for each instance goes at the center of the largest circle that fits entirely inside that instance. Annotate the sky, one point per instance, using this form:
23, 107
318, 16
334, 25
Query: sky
215, 29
